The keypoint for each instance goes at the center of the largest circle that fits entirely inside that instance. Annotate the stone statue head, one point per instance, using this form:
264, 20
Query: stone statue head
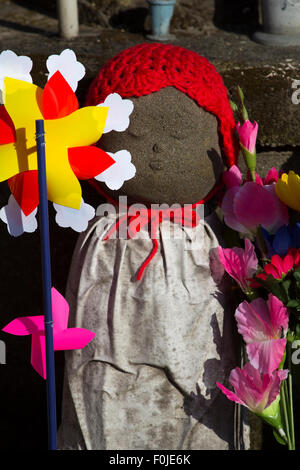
182, 132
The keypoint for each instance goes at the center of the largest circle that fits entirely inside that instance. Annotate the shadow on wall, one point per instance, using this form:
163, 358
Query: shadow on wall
240, 16
132, 20
293, 163
41, 6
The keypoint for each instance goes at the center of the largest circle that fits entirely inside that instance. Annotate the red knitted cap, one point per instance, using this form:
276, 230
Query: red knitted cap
147, 68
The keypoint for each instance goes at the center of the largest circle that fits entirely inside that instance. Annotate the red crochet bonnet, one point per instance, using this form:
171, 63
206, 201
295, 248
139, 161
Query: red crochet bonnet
147, 68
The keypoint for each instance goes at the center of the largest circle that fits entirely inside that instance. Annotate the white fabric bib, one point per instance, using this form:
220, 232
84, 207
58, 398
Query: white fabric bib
148, 378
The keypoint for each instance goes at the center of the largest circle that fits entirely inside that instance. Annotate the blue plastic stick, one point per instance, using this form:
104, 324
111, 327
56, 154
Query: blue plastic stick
46, 270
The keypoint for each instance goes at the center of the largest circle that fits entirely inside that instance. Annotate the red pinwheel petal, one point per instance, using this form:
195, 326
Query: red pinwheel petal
25, 189
59, 100
7, 128
88, 162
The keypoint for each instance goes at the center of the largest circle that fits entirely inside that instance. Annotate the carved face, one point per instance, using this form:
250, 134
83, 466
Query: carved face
175, 147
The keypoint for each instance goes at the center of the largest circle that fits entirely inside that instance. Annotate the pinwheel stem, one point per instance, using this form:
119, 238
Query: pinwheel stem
46, 271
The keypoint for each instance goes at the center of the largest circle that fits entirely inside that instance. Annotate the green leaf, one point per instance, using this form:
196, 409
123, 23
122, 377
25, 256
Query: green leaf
293, 303
250, 158
281, 365
290, 337
297, 331
234, 107
278, 438
286, 286
297, 290
244, 113
274, 286
297, 270
241, 94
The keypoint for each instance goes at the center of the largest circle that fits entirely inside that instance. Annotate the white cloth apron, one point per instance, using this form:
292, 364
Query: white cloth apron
148, 378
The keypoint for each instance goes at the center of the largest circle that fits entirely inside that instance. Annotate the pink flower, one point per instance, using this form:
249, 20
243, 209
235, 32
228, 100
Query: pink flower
239, 263
262, 325
295, 253
248, 135
271, 177
258, 179
245, 206
232, 177
253, 390
250, 205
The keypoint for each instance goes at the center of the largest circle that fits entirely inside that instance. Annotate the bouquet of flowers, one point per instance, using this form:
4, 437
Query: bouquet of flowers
264, 263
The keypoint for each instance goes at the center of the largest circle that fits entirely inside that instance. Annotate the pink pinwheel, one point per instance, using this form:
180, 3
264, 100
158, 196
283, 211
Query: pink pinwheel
253, 390
263, 325
239, 263
64, 338
247, 135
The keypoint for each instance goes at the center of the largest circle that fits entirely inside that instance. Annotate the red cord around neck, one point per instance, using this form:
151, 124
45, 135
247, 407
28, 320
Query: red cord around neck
185, 216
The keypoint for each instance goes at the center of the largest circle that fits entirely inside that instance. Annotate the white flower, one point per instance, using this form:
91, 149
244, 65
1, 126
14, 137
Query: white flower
14, 66
74, 218
118, 113
121, 171
17, 222
68, 65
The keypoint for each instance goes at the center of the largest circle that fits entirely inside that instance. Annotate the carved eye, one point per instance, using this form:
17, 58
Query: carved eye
157, 148
184, 132
179, 134
138, 131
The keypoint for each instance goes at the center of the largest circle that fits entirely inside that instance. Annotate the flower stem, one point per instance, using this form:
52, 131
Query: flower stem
285, 414
261, 242
289, 390
291, 411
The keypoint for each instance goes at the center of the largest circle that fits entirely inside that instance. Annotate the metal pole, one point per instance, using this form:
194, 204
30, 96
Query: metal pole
46, 271
68, 18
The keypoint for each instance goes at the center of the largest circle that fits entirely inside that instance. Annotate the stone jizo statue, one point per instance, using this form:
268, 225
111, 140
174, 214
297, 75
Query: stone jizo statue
165, 331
